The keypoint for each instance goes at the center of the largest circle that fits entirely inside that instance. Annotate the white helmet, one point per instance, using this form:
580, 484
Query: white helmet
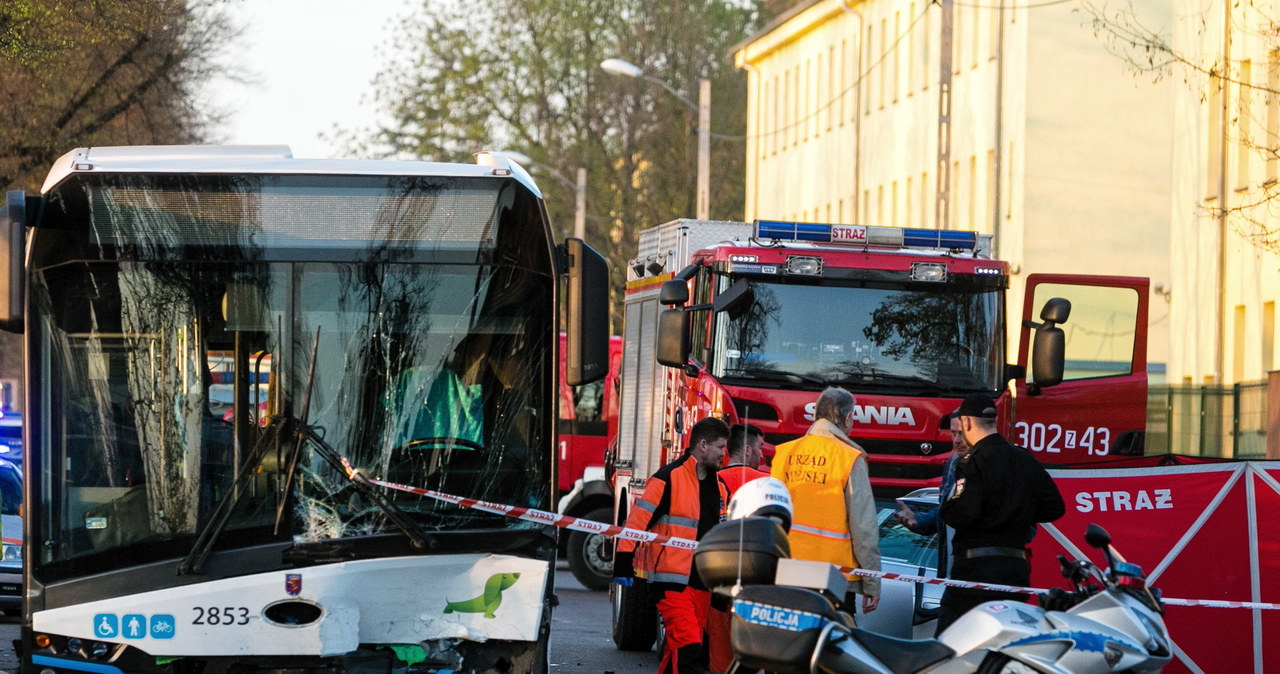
762, 497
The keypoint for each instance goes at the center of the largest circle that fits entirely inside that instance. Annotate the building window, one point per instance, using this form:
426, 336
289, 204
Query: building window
1008, 184
765, 123
1244, 123
912, 61
862, 67
1273, 116
1268, 336
866, 206
880, 65
893, 206
973, 195
832, 91
957, 44
995, 12
897, 35
1213, 138
844, 77
989, 217
776, 129
1237, 355
924, 199
796, 109
910, 205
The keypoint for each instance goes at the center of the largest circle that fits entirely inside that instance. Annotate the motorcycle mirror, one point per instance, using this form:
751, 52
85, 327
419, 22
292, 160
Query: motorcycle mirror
1097, 537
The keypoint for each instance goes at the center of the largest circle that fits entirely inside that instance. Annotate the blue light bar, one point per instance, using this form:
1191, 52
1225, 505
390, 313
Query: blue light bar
892, 237
935, 238
793, 231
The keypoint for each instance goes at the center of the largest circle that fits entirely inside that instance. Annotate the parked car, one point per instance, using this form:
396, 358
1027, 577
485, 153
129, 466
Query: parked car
907, 610
11, 437
11, 533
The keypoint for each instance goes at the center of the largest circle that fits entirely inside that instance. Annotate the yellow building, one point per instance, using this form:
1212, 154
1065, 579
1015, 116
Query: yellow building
1045, 139
1225, 215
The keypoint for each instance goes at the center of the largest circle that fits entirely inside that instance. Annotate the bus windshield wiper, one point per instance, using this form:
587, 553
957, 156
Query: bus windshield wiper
304, 432
193, 563
874, 377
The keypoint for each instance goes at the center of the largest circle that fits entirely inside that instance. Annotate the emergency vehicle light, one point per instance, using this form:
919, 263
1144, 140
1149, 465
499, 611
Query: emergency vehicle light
896, 237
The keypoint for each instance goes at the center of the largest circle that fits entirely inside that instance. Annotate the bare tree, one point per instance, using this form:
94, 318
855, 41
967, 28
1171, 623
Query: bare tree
1244, 95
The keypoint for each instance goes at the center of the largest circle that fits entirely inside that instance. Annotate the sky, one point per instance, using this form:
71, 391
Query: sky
312, 62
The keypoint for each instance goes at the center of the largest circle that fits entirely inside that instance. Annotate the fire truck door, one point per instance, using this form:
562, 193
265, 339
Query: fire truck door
1099, 409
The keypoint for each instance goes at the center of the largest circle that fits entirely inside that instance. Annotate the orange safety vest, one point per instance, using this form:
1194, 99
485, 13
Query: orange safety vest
815, 469
678, 481
736, 476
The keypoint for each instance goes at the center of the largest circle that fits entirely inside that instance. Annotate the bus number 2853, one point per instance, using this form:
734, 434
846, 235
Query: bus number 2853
1054, 439
221, 615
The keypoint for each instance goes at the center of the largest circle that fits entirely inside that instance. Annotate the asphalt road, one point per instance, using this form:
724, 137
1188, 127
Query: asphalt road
581, 638
582, 633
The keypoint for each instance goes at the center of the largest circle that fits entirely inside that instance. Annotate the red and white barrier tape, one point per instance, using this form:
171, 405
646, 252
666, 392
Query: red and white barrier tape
613, 531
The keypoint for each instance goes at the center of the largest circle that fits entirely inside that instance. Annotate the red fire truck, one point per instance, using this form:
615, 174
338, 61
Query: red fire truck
751, 321
588, 419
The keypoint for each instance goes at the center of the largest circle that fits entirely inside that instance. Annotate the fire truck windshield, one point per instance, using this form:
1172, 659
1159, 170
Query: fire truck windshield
907, 337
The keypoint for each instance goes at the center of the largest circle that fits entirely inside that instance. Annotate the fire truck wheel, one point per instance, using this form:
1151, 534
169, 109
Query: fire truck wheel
590, 555
635, 620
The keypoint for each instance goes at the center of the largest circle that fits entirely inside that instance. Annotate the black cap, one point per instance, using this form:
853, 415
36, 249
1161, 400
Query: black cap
945, 422
978, 405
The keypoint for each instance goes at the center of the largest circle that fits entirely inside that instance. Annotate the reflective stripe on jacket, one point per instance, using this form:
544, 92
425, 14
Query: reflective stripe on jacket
815, 468
677, 484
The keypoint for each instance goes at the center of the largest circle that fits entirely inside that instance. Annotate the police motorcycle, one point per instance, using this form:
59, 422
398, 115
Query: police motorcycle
786, 616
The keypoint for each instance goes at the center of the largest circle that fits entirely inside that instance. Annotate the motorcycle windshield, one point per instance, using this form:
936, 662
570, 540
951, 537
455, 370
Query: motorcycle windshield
177, 355
944, 338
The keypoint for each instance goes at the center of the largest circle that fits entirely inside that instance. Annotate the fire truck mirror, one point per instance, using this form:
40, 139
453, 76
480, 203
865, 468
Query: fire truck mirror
1056, 311
673, 293
736, 299
1047, 356
673, 338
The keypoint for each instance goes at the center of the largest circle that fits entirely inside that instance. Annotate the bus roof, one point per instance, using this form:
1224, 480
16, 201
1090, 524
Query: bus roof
266, 159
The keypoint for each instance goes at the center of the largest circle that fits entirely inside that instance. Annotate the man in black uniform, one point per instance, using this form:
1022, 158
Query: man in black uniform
1001, 491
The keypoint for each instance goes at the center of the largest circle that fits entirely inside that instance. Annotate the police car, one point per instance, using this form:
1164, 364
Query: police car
11, 437
906, 610
11, 532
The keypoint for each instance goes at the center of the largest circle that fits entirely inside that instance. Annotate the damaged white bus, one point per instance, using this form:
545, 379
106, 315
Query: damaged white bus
213, 333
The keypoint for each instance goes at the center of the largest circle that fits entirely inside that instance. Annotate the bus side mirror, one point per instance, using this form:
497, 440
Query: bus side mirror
1048, 350
587, 342
673, 338
12, 249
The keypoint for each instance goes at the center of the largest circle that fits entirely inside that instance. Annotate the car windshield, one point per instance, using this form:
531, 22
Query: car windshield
900, 544
931, 337
176, 360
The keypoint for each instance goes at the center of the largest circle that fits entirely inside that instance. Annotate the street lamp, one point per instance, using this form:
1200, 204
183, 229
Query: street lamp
579, 189
702, 107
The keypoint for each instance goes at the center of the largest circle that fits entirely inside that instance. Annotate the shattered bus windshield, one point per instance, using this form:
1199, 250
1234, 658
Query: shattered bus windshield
177, 319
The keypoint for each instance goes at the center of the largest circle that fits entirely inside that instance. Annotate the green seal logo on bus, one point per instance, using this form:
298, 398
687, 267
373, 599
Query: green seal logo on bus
487, 602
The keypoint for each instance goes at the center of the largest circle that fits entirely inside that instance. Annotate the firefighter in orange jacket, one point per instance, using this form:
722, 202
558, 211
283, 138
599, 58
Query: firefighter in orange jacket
684, 499
835, 512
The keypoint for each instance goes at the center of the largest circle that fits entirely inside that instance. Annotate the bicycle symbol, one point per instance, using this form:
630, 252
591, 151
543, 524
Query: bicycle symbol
163, 626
